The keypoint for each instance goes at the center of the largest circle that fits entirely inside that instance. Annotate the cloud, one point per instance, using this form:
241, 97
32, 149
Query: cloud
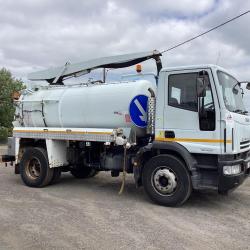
38, 34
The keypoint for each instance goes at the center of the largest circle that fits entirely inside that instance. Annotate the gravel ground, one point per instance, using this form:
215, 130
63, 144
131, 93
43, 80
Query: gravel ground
89, 214
3, 149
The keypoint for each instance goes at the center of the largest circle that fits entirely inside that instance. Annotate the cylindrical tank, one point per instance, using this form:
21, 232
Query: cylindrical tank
81, 106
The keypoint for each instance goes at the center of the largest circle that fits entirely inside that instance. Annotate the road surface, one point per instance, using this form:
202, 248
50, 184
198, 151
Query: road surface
89, 214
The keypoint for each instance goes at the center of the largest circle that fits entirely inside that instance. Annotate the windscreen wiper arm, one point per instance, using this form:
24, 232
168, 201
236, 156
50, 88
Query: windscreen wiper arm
239, 111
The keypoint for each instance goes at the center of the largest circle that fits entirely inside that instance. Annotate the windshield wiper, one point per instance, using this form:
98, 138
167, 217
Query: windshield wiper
239, 111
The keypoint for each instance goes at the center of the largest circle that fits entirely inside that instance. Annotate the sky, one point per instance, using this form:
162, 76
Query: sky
37, 34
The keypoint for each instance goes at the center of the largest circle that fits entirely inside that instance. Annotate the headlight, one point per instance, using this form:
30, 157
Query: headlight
230, 170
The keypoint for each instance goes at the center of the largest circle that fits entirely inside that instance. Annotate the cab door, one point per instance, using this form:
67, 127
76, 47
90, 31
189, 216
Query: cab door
191, 118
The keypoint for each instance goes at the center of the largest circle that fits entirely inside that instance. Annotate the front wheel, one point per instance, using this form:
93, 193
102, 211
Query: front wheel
166, 180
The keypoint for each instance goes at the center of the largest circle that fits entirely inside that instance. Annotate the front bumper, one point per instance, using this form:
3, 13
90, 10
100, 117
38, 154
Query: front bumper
230, 182
208, 172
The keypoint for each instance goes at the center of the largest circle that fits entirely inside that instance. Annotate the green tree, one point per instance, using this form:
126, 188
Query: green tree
8, 85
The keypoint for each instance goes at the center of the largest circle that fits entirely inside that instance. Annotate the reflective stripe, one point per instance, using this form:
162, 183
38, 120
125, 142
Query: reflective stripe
192, 140
62, 132
101, 135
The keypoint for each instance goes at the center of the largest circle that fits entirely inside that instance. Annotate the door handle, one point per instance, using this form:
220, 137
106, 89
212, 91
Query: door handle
169, 134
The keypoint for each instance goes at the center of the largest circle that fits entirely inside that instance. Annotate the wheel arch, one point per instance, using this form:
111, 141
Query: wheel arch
28, 142
178, 151
56, 150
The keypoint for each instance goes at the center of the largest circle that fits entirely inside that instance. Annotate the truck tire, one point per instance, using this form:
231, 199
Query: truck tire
83, 173
56, 176
34, 167
166, 180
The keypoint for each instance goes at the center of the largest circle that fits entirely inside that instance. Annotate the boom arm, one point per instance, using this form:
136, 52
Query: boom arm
56, 75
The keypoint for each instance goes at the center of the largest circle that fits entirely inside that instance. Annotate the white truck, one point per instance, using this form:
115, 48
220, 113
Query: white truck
186, 130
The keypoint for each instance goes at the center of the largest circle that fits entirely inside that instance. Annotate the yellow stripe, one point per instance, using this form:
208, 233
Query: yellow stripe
192, 140
62, 132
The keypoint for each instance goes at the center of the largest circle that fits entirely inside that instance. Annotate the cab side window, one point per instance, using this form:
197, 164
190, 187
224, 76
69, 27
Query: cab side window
182, 91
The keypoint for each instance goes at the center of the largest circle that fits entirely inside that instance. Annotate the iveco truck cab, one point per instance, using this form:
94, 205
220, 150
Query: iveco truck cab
200, 110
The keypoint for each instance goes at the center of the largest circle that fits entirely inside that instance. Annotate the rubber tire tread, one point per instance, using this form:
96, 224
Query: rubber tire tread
184, 184
46, 172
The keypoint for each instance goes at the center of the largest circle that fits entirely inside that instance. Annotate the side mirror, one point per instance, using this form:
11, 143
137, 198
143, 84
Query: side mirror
248, 86
235, 91
200, 87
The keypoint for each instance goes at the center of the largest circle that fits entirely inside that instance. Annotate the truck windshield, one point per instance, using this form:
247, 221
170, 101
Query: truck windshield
231, 93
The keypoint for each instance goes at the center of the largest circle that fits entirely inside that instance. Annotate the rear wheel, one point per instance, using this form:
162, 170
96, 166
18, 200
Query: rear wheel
84, 172
34, 167
166, 180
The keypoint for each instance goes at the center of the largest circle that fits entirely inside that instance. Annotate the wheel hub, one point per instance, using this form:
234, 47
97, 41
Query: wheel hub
33, 168
164, 181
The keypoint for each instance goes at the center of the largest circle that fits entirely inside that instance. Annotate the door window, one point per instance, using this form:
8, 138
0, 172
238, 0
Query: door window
207, 111
182, 94
182, 91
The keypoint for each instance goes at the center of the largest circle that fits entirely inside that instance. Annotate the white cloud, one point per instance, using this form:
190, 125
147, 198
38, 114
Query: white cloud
170, 8
42, 33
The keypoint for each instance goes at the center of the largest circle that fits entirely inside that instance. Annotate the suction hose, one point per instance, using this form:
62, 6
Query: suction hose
124, 170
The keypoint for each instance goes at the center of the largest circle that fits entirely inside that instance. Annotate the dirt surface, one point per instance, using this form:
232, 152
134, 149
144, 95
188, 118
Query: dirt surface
89, 214
3, 150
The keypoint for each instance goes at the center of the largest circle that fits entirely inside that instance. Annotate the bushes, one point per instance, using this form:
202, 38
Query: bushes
3, 135
8, 85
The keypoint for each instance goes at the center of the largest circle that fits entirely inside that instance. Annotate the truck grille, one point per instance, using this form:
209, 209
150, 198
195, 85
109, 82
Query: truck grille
244, 144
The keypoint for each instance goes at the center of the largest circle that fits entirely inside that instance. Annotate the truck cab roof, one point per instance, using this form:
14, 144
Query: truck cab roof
192, 67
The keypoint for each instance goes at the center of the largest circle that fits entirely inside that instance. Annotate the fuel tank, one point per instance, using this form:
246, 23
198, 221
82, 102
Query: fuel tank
109, 105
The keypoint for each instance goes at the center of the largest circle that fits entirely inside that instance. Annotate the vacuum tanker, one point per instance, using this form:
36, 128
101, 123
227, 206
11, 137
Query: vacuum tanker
186, 130
83, 106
